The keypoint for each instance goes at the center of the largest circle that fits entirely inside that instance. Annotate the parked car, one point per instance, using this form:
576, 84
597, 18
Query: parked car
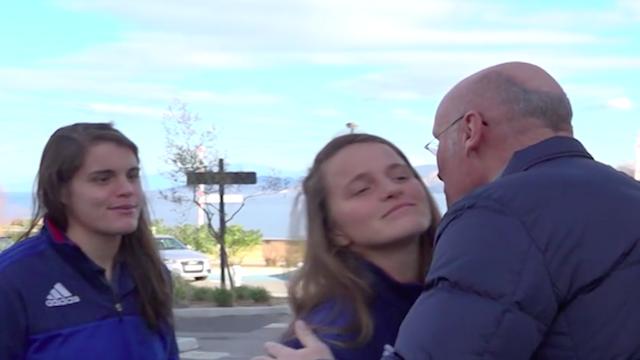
5, 242
180, 259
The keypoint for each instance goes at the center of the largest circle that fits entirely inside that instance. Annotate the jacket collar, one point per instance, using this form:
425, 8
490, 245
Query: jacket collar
74, 256
552, 148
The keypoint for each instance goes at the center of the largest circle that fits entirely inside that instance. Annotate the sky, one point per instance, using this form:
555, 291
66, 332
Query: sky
279, 78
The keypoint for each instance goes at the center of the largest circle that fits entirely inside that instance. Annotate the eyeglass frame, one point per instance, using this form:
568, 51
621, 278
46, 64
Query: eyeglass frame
428, 146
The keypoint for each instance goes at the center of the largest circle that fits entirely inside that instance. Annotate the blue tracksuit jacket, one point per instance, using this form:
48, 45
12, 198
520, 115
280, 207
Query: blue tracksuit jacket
389, 304
55, 303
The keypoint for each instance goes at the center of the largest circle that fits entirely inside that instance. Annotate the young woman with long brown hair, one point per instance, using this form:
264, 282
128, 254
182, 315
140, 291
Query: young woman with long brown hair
90, 283
370, 227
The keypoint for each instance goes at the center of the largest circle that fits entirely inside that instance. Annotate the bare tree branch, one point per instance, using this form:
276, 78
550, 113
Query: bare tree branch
191, 147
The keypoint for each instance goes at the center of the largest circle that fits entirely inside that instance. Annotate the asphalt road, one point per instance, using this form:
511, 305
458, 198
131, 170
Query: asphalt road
231, 336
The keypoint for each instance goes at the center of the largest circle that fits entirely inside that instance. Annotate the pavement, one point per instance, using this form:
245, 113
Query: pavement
228, 333
234, 332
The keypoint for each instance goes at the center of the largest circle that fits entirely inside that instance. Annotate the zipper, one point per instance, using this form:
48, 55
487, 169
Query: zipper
117, 305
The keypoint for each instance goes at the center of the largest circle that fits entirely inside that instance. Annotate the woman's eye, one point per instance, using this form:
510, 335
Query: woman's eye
360, 191
401, 176
101, 179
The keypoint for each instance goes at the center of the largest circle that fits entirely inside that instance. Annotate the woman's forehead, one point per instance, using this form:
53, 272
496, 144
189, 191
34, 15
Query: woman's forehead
360, 158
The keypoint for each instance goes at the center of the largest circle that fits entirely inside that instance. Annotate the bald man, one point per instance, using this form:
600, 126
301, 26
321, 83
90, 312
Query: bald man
538, 255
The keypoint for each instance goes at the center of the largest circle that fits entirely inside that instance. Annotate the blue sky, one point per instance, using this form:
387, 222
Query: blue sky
279, 78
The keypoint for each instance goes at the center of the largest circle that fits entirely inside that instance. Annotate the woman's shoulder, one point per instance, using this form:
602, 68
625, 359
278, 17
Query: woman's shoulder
18, 254
332, 312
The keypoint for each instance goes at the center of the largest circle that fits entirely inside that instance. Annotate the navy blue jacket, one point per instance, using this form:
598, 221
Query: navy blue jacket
543, 263
390, 303
55, 303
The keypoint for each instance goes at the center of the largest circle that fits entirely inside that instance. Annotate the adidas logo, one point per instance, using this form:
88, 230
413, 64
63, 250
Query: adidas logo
60, 296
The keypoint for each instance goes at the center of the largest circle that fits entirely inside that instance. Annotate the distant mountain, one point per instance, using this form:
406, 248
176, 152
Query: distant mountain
270, 213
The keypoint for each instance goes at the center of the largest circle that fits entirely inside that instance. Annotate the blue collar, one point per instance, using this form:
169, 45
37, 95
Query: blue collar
121, 281
385, 284
552, 148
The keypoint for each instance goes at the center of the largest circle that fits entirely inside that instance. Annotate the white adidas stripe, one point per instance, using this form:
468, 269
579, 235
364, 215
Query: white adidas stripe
62, 290
60, 296
54, 294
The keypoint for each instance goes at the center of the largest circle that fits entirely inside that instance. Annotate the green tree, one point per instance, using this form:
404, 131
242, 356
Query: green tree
190, 147
238, 240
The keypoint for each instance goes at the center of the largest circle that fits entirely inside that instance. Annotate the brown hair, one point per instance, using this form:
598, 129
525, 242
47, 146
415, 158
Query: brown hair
62, 157
331, 271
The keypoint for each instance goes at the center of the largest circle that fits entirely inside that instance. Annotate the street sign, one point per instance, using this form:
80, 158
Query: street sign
213, 177
221, 178
227, 198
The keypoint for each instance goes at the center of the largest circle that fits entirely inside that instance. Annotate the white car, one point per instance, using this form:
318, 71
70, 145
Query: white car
187, 263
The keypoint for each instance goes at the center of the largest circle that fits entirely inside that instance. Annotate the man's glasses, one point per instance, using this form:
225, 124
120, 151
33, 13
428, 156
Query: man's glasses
432, 146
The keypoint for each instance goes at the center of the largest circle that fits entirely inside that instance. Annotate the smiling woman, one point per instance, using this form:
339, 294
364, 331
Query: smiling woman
370, 228
94, 273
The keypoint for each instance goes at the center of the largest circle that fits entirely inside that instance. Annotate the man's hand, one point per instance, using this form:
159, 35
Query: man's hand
313, 349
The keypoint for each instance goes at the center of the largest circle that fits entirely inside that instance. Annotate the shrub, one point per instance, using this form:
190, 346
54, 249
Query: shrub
242, 292
259, 294
202, 294
182, 290
222, 297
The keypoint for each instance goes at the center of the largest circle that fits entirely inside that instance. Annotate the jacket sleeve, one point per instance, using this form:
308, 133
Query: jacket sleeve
328, 320
488, 293
13, 323
173, 351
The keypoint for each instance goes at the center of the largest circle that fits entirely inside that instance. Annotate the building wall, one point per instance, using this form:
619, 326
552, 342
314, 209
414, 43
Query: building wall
273, 252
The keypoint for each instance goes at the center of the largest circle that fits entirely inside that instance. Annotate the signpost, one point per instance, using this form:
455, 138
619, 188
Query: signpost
221, 178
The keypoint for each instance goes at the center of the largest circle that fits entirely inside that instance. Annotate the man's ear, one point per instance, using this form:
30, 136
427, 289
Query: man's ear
474, 127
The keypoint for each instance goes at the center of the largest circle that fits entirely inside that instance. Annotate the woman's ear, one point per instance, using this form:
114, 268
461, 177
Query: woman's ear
339, 238
64, 195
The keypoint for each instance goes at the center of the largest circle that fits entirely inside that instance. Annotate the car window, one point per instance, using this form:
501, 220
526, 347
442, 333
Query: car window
169, 243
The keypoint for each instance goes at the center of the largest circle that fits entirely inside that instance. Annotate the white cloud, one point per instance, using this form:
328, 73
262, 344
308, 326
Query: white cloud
621, 103
630, 7
231, 98
121, 85
327, 112
126, 109
410, 115
417, 36
95, 81
454, 60
256, 33
402, 95
150, 51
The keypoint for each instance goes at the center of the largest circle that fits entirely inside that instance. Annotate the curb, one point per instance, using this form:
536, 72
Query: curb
225, 311
187, 344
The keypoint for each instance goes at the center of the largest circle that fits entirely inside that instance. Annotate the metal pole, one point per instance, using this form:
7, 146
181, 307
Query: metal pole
223, 254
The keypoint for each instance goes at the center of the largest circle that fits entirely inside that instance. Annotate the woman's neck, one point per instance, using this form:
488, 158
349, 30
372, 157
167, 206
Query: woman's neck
100, 248
400, 263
